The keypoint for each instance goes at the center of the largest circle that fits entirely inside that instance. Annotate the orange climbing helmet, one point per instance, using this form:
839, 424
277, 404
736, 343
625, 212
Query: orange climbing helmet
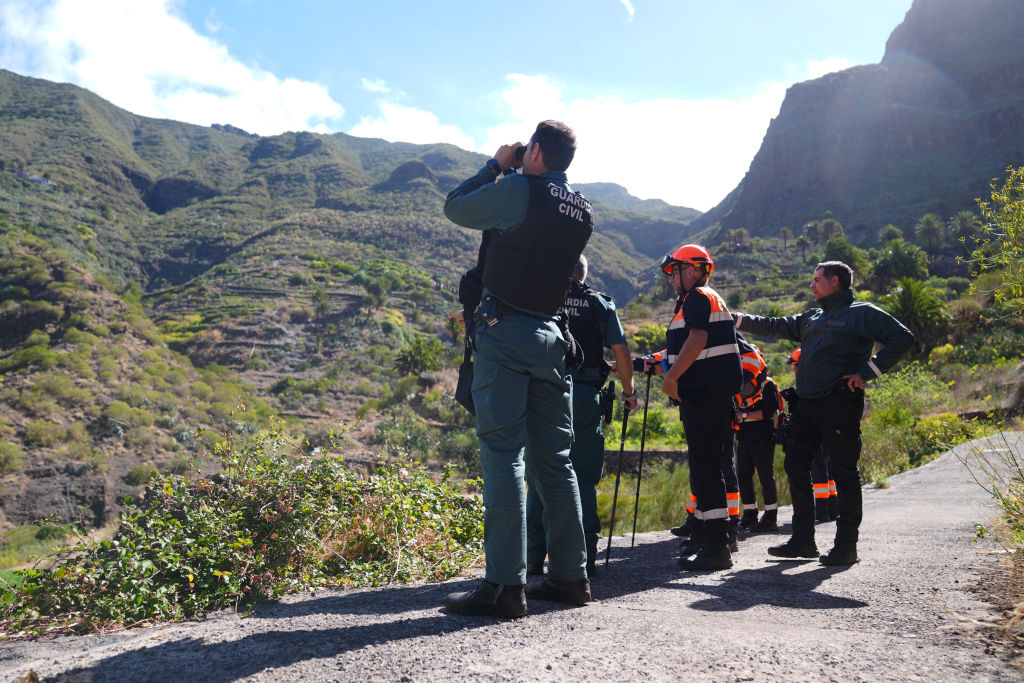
693, 254
794, 357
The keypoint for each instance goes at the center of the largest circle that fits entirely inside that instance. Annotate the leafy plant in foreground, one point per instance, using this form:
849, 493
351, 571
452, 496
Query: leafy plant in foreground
266, 525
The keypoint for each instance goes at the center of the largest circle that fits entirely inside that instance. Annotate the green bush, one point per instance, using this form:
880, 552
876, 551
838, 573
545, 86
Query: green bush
11, 457
140, 474
267, 525
43, 433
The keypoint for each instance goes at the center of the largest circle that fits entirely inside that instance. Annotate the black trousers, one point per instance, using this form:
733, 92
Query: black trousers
756, 452
707, 421
832, 422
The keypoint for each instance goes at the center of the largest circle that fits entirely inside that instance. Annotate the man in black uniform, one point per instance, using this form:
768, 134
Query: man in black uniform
595, 326
835, 360
535, 227
702, 372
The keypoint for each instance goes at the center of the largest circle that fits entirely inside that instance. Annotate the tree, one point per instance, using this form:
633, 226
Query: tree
320, 304
785, 234
421, 354
964, 227
803, 243
897, 259
930, 232
830, 227
840, 249
889, 233
812, 231
1001, 238
454, 327
920, 308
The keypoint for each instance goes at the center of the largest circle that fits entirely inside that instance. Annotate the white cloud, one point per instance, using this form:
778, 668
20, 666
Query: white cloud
406, 124
629, 8
686, 152
375, 85
144, 58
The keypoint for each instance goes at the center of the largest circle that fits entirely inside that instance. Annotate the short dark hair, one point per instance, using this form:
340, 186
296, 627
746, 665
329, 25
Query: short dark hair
837, 269
557, 142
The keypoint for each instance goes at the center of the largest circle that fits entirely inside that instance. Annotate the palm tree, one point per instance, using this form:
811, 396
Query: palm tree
920, 308
802, 243
785, 234
830, 227
898, 259
889, 233
964, 227
812, 229
930, 232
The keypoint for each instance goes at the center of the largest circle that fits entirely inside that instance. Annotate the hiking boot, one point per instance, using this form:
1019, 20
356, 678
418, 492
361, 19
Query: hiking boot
576, 592
821, 511
795, 549
734, 545
838, 557
489, 600
686, 528
749, 520
709, 559
689, 547
535, 568
591, 569
769, 521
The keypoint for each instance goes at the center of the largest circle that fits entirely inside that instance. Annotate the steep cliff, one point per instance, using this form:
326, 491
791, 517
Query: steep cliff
925, 130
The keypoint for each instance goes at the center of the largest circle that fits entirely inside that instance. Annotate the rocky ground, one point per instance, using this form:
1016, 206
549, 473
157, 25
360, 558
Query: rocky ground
907, 611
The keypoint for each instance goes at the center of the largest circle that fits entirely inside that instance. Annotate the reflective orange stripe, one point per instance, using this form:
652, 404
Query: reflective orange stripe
832, 488
691, 506
820, 490
733, 502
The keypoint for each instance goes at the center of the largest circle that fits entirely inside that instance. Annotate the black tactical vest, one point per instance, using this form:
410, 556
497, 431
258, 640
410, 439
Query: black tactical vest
586, 313
530, 266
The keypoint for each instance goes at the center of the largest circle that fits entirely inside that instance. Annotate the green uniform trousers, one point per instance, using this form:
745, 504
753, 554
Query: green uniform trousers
523, 403
587, 456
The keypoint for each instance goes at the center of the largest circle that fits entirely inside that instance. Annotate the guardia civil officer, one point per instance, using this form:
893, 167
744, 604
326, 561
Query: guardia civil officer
835, 361
703, 373
535, 228
595, 325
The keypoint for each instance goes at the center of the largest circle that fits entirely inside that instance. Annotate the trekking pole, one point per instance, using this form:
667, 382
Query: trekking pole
615, 496
640, 470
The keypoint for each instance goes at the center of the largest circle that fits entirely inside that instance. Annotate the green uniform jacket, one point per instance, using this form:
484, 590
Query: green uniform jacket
836, 340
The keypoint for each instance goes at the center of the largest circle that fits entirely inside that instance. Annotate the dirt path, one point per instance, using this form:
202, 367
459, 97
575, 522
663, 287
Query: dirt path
898, 615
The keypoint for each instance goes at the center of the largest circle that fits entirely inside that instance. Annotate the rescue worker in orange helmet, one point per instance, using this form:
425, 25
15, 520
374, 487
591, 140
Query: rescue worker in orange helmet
758, 403
702, 373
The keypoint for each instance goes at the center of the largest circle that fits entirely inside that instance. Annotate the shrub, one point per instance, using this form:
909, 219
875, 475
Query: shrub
266, 526
11, 457
140, 474
43, 433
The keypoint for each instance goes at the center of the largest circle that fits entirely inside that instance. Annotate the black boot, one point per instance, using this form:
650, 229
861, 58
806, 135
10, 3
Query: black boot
692, 545
534, 567
840, 556
686, 528
795, 549
714, 554
769, 521
567, 592
749, 520
734, 534
489, 600
821, 511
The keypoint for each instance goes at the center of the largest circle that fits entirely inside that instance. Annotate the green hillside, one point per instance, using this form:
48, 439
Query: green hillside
314, 273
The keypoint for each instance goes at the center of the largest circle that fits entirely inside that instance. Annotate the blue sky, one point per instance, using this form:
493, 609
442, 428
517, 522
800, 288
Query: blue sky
670, 98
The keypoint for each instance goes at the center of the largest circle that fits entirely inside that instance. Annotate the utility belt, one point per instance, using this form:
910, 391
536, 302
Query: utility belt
491, 309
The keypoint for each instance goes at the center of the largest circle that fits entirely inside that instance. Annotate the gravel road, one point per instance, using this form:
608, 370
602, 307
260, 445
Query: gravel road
903, 613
